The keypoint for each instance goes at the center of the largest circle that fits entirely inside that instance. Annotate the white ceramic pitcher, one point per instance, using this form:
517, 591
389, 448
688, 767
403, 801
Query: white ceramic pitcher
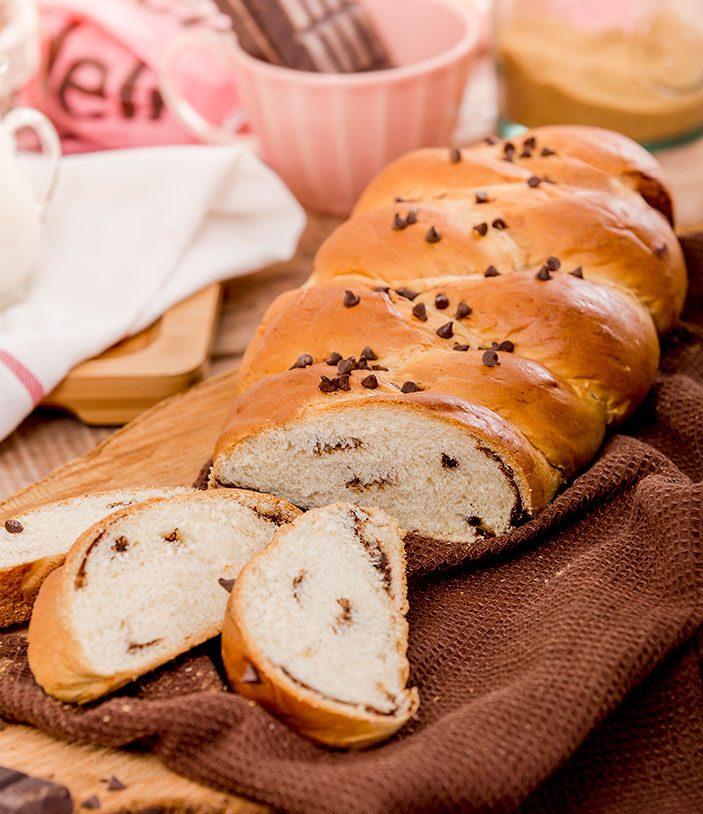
22, 207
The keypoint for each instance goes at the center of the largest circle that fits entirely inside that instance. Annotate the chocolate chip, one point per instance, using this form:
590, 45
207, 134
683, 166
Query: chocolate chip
115, 784
455, 156
411, 217
509, 148
304, 360
553, 263
445, 331
121, 544
398, 223
491, 139
345, 366
462, 310
13, 526
459, 347
91, 802
400, 199
491, 271
543, 274
384, 288
449, 463
432, 235
577, 272
420, 311
526, 153
548, 180
408, 293
341, 382
410, 387
350, 299
362, 364
530, 143
327, 385
499, 223
367, 353
481, 228
378, 367
534, 181
507, 346
227, 584
370, 382
661, 250
441, 301
481, 197
334, 357
547, 151
250, 675
490, 358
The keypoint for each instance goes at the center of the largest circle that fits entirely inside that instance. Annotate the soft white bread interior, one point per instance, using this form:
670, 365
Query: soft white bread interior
142, 586
315, 628
35, 542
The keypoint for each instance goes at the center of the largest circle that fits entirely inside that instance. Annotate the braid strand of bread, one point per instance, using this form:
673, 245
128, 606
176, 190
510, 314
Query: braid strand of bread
466, 337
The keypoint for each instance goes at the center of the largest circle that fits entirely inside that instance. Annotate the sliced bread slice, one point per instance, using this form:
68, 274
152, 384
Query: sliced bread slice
143, 585
315, 628
35, 542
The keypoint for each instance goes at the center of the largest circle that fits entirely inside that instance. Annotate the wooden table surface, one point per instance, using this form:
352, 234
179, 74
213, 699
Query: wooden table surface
46, 440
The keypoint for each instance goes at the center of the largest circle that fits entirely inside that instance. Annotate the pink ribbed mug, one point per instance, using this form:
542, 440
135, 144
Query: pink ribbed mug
327, 135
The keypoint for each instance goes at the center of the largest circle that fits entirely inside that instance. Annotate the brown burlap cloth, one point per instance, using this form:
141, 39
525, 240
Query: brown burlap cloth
559, 670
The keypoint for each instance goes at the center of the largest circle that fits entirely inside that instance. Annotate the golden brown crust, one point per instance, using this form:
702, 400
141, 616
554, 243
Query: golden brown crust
588, 157
326, 721
20, 586
617, 240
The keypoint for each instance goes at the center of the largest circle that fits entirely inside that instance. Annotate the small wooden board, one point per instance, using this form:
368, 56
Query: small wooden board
138, 372
166, 445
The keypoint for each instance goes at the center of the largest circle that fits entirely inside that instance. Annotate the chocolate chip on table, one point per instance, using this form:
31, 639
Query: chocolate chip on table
462, 310
408, 293
455, 156
420, 311
577, 272
441, 301
362, 364
543, 274
304, 360
481, 228
411, 217
499, 223
227, 584
250, 675
432, 235
553, 263
530, 143
115, 784
341, 382
459, 347
534, 181
345, 366
370, 382
350, 299
491, 271
398, 223
526, 153
333, 358
91, 802
547, 151
446, 331
507, 346
410, 387
13, 526
367, 353
490, 358
481, 197
327, 385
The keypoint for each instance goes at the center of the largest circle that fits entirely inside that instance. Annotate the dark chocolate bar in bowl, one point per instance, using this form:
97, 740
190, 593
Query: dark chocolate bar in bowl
328, 36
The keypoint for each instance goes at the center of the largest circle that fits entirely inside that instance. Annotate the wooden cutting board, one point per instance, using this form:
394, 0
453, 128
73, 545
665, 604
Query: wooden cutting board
166, 445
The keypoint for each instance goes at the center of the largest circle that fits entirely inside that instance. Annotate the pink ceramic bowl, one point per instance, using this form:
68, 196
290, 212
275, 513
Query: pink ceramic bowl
327, 135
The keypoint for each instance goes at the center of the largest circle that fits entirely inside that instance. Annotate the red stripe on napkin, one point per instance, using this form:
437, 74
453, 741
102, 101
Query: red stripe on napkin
24, 376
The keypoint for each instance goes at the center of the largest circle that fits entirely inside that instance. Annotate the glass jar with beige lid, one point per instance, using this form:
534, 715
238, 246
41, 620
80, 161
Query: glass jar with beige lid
630, 65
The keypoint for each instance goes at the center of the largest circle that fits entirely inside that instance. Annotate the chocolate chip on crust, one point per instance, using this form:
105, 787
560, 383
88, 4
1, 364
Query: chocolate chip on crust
408, 293
491, 271
462, 310
490, 358
410, 387
398, 223
350, 299
507, 346
543, 274
227, 584
420, 311
441, 301
304, 360
534, 181
13, 526
370, 382
333, 358
455, 156
577, 272
499, 223
480, 229
553, 263
446, 331
250, 675
459, 347
432, 235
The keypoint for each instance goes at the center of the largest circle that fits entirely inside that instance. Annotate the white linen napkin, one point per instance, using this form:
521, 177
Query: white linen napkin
128, 234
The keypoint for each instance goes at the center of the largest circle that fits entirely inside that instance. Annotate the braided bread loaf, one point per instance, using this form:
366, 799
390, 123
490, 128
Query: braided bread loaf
466, 337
